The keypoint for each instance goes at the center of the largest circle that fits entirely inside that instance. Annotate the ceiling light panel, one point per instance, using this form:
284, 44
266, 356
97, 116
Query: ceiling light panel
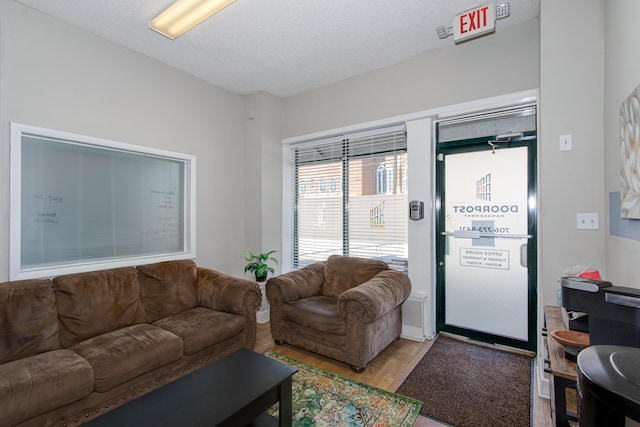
183, 15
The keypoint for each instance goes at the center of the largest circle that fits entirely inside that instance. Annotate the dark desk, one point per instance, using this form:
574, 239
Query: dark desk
233, 391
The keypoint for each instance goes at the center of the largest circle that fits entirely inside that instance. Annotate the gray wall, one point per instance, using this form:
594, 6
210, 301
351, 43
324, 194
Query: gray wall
263, 172
622, 75
55, 76
502, 63
571, 102
571, 93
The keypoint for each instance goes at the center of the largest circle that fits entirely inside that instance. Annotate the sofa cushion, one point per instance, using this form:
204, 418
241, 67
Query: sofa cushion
201, 327
34, 385
90, 304
343, 273
168, 288
319, 313
118, 356
29, 319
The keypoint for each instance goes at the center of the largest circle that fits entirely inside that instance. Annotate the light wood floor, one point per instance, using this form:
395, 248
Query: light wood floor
387, 371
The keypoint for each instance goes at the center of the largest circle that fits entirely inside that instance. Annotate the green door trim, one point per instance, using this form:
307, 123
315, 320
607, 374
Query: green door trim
529, 140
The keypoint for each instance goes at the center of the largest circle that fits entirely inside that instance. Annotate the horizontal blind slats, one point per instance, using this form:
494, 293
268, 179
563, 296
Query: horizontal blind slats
370, 220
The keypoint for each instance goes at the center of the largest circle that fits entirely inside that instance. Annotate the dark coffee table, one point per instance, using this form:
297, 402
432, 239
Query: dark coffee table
233, 391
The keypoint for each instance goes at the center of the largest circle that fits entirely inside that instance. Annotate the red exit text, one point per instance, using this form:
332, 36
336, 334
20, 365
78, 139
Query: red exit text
474, 23
473, 20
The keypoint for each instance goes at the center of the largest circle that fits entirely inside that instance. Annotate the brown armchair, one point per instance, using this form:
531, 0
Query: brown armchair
346, 308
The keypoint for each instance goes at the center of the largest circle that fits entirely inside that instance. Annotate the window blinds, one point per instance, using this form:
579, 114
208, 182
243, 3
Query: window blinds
350, 197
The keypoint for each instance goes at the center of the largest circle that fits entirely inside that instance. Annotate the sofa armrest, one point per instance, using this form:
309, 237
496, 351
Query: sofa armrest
297, 284
376, 297
223, 292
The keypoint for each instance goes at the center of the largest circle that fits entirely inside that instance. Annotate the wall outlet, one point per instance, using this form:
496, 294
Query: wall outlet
587, 221
565, 142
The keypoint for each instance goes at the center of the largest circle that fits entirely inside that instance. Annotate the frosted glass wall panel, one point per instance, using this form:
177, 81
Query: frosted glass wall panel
84, 203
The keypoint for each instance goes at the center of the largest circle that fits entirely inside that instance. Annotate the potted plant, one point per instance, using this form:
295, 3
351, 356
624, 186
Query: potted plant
258, 264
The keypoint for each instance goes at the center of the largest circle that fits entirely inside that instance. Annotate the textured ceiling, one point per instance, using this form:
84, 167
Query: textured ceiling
283, 47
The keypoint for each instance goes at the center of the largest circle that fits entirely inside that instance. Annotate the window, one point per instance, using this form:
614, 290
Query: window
384, 179
405, 176
80, 203
365, 212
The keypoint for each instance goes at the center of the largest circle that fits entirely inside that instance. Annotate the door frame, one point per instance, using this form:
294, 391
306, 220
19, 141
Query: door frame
528, 139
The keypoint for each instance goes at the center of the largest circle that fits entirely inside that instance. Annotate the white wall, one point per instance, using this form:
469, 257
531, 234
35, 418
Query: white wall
622, 75
263, 172
55, 76
501, 63
571, 102
263, 182
417, 317
571, 99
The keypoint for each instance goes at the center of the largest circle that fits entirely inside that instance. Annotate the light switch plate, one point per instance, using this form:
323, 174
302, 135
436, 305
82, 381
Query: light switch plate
587, 221
565, 142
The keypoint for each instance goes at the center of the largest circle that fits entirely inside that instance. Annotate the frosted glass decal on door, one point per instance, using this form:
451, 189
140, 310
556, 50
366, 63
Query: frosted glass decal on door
486, 227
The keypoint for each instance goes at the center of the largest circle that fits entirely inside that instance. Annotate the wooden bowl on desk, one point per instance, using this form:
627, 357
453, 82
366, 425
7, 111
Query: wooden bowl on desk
571, 338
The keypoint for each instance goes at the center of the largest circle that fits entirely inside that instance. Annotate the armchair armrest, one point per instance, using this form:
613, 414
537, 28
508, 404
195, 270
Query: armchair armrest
297, 284
223, 292
376, 297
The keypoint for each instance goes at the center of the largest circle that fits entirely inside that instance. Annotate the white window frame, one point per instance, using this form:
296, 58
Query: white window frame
188, 208
289, 170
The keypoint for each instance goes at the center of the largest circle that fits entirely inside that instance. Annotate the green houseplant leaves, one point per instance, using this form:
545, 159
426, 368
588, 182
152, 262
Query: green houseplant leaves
258, 264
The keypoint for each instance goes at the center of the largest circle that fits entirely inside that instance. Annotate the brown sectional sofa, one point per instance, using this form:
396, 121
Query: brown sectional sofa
80, 345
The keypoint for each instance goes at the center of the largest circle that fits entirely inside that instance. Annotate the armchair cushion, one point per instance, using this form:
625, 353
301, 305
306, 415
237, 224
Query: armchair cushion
342, 273
319, 313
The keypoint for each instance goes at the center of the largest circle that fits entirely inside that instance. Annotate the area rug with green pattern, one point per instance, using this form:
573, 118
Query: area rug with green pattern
322, 398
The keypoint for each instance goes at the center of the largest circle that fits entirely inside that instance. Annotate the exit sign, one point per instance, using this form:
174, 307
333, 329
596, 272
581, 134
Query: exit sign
474, 23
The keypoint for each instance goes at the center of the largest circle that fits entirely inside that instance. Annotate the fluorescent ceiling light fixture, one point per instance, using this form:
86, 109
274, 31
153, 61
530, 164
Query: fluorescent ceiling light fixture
183, 15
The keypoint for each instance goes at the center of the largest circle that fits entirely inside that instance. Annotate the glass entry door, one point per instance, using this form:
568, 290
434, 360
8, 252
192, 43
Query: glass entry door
486, 240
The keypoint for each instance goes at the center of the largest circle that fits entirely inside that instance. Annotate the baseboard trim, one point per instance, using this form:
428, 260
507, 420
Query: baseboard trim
543, 380
415, 324
262, 316
412, 333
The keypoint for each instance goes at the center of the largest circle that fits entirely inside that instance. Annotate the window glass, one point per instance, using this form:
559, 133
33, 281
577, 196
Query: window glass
364, 212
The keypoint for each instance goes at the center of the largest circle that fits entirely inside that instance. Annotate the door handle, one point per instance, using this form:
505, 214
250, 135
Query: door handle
523, 255
477, 235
